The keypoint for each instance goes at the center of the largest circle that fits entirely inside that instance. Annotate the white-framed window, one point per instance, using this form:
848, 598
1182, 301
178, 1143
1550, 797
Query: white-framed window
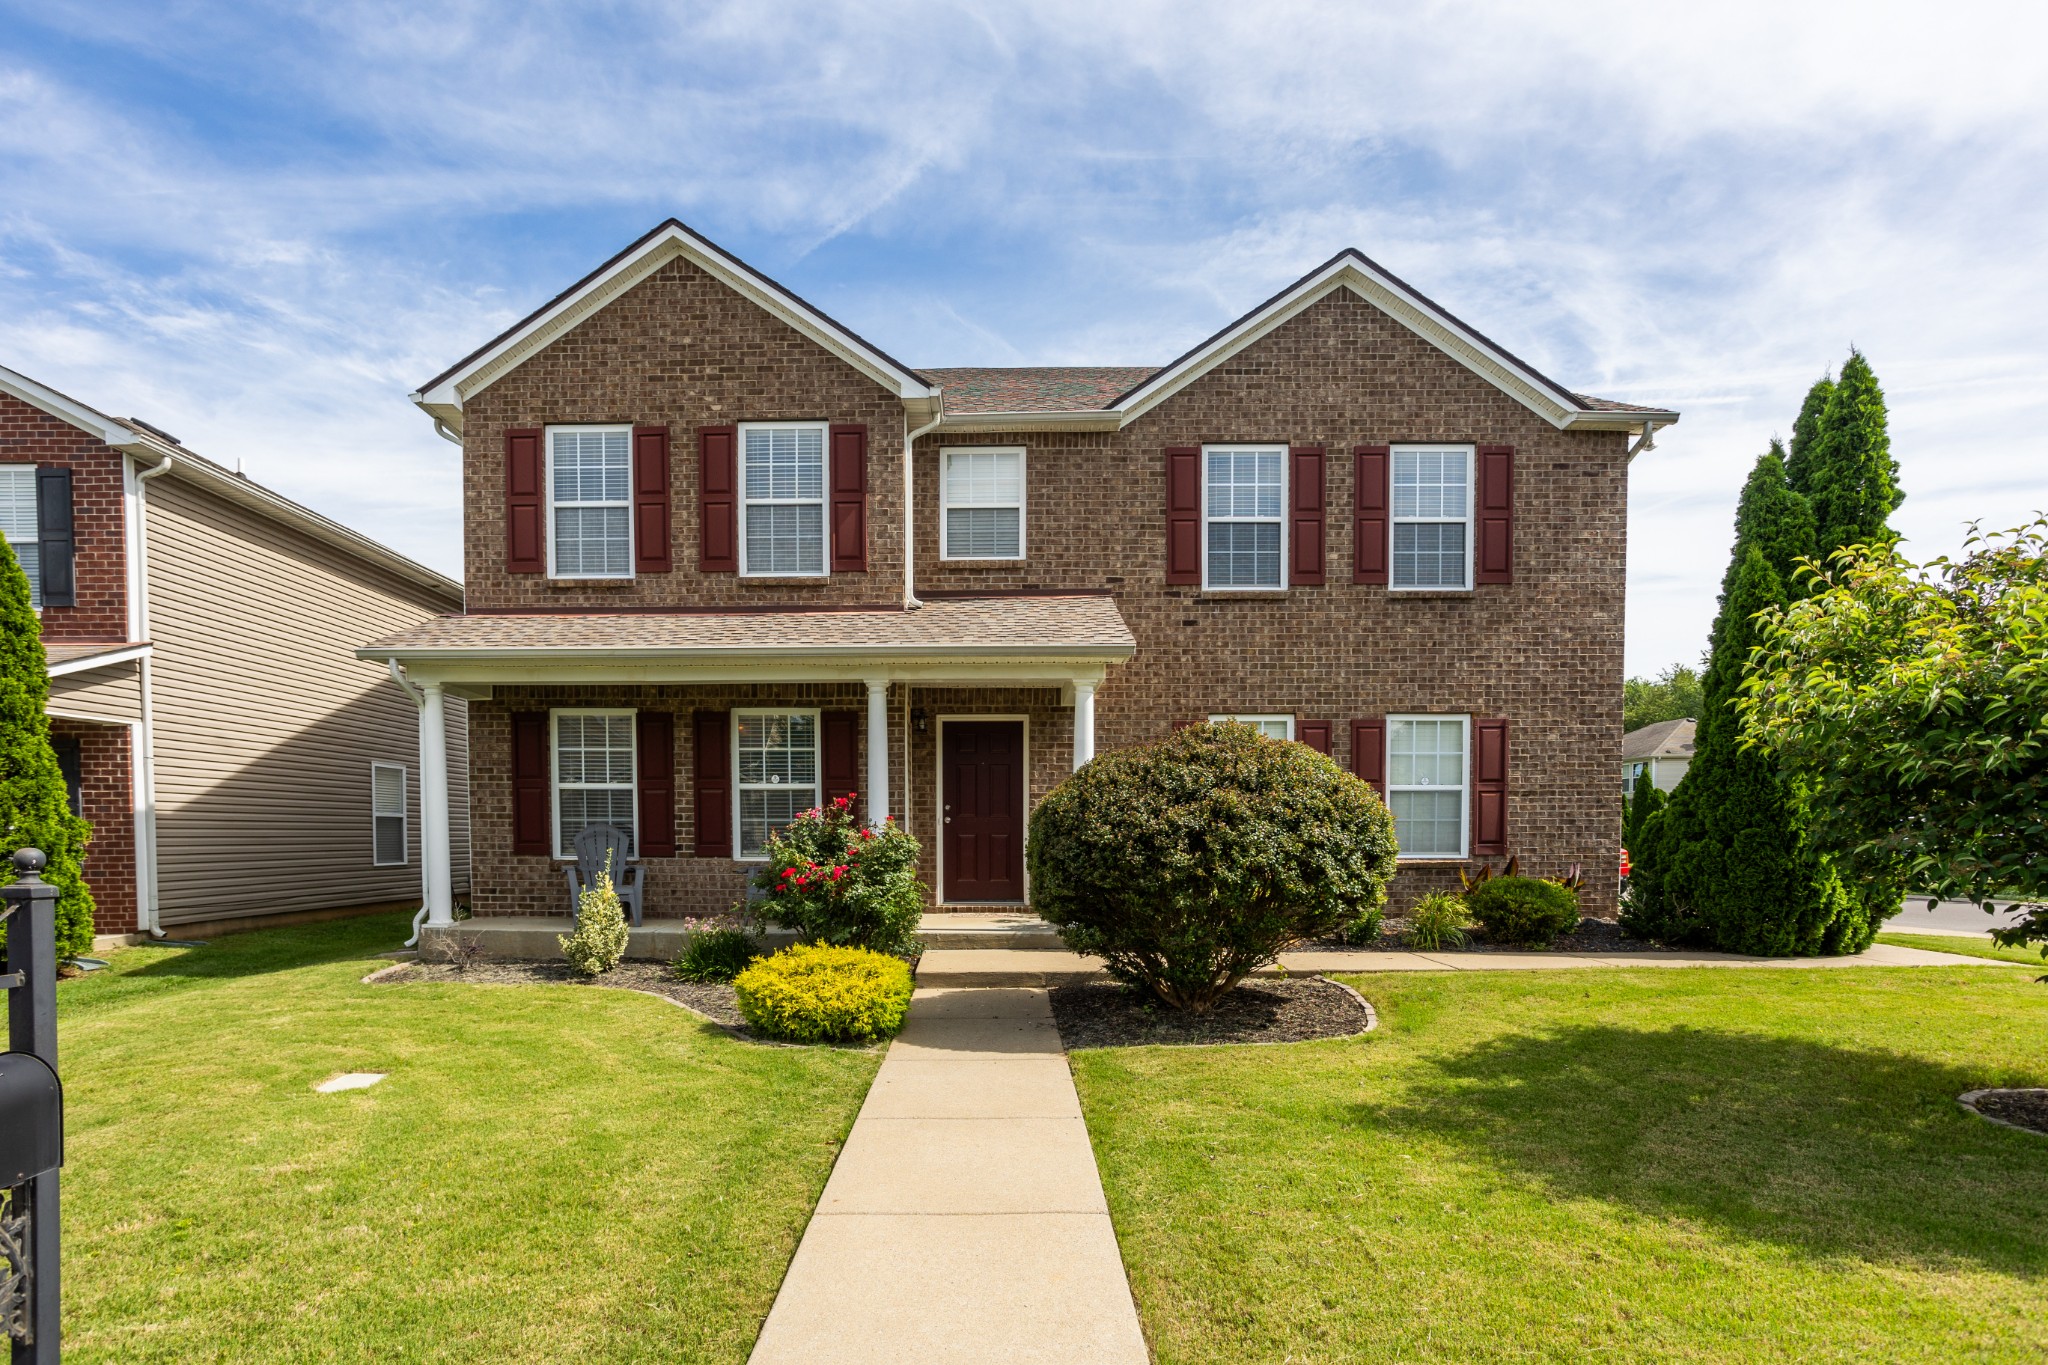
1244, 528
775, 769
387, 815
1428, 783
595, 775
981, 493
590, 502
782, 499
1432, 517
1274, 727
18, 524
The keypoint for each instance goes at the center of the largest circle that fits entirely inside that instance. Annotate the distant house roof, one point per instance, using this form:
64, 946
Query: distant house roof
1665, 739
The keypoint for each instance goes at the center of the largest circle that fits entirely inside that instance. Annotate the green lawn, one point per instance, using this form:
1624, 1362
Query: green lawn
1618, 1165
1967, 946
550, 1173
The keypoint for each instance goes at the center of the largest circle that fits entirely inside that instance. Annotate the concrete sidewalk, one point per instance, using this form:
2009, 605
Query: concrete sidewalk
964, 1221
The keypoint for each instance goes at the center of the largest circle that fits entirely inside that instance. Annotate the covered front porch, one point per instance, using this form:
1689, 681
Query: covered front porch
700, 733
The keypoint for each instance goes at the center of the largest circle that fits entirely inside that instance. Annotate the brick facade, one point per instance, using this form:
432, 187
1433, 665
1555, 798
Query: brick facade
107, 793
28, 435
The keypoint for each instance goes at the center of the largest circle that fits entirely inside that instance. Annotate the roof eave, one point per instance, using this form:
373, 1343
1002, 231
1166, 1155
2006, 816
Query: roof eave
1099, 652
1084, 420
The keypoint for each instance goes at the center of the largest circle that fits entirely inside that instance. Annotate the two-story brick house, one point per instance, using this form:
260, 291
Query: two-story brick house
726, 559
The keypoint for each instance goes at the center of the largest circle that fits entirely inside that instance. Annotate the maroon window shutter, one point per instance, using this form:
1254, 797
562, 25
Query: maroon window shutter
718, 499
1183, 514
526, 546
1371, 486
1369, 752
1494, 561
1305, 526
849, 475
713, 745
1489, 788
651, 501
530, 799
654, 734
839, 738
1315, 734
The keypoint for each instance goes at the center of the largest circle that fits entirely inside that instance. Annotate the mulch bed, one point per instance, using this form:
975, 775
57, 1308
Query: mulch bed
2026, 1109
713, 1000
1592, 936
1288, 1010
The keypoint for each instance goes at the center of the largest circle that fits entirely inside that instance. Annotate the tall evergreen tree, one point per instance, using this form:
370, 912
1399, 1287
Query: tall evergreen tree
1806, 434
35, 811
1852, 479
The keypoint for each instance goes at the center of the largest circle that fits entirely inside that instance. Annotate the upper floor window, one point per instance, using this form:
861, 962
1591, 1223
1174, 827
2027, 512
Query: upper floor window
387, 815
782, 482
590, 491
1243, 498
983, 496
1427, 790
1273, 727
18, 524
1432, 517
594, 775
777, 767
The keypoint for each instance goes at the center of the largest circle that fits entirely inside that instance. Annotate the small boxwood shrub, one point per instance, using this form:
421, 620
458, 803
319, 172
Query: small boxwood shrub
812, 993
1439, 920
832, 880
1524, 910
1188, 863
715, 955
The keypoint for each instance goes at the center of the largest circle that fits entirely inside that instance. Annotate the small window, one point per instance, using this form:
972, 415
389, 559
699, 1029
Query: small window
594, 775
1635, 775
590, 486
18, 524
1432, 517
1276, 727
983, 492
1245, 490
782, 480
1426, 784
387, 815
776, 762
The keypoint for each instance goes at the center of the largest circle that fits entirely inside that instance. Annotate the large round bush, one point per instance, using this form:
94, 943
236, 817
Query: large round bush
1188, 863
814, 994
1523, 910
833, 880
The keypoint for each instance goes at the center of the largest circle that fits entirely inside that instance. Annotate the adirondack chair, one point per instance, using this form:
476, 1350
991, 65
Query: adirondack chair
599, 847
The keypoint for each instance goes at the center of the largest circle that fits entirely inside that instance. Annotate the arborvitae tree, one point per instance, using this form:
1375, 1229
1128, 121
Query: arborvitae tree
1646, 801
1771, 516
1852, 479
1806, 434
35, 811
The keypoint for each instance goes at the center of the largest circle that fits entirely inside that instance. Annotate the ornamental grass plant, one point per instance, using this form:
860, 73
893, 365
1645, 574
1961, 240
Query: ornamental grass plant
815, 993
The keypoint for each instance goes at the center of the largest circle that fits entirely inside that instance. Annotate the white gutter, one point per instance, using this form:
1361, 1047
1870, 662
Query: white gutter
910, 602
146, 890
1648, 440
419, 704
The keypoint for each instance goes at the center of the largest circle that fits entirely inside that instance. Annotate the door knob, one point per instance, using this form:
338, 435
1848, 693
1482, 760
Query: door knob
949, 819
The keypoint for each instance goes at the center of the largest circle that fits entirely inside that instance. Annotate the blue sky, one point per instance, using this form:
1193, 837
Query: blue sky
261, 226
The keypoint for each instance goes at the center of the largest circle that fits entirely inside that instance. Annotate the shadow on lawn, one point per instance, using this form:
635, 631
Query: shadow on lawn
259, 951
1829, 1150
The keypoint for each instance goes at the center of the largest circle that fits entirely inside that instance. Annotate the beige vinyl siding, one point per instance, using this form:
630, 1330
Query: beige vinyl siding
112, 694
266, 724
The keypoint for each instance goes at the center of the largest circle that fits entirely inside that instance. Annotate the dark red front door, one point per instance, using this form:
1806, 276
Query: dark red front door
982, 793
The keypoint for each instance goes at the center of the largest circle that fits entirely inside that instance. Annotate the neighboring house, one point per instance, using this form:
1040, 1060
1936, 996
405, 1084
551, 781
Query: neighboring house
707, 589
1660, 752
235, 758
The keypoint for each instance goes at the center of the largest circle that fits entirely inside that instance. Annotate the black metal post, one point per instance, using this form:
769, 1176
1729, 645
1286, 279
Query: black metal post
32, 1027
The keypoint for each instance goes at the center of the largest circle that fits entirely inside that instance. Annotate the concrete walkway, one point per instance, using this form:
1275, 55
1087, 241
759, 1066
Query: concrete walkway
964, 1221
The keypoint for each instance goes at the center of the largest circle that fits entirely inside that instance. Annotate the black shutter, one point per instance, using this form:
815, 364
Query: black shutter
53, 534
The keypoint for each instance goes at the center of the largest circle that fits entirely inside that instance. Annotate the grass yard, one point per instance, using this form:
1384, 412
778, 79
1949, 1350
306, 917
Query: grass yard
1628, 1165
1968, 947
549, 1173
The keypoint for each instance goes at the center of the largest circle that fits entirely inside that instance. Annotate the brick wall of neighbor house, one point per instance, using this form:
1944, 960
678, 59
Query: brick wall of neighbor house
107, 793
683, 349
28, 435
1545, 651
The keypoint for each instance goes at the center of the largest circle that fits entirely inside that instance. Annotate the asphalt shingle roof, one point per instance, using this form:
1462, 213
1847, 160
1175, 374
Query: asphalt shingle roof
1665, 739
1037, 388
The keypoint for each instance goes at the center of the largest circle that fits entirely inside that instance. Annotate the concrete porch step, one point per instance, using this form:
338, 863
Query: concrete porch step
535, 937
1011, 929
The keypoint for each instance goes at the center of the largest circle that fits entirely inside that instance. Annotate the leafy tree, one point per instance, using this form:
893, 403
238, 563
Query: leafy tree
1852, 479
1916, 698
1673, 694
1806, 434
35, 810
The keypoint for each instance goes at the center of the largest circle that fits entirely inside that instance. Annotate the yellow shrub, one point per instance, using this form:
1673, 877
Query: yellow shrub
812, 993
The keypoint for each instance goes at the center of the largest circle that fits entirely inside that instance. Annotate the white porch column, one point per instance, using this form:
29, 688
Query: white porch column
878, 751
1084, 723
436, 861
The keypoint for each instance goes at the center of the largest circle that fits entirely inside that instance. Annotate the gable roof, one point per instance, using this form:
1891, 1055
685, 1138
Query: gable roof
443, 395
1665, 739
1036, 388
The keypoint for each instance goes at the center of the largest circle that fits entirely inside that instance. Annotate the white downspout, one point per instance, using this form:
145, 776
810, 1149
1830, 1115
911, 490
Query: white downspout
146, 890
419, 704
910, 602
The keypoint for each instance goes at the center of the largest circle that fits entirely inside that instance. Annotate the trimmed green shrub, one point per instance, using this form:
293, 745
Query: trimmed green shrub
1524, 910
1190, 862
715, 955
812, 993
35, 809
598, 942
833, 881
1438, 921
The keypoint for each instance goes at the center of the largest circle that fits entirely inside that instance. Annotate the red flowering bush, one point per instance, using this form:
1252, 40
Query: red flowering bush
832, 880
